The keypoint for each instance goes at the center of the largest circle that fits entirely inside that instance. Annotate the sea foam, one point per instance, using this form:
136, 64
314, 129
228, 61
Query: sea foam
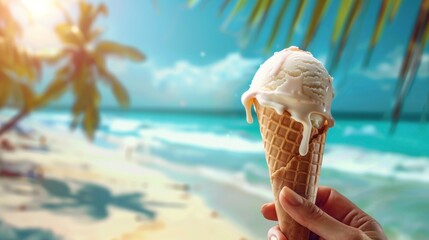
345, 158
364, 161
208, 140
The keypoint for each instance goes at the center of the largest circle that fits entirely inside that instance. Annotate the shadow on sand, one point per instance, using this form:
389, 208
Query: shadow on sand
92, 199
8, 232
79, 200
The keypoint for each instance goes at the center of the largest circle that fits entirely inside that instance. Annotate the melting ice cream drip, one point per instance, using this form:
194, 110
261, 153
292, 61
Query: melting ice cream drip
284, 92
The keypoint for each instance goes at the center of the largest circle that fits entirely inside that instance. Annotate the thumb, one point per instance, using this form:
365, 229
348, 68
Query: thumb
312, 217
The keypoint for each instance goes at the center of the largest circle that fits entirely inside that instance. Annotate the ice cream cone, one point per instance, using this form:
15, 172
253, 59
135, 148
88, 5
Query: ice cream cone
282, 137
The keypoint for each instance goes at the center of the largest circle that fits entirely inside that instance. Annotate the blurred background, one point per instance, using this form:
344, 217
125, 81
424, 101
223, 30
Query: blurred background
123, 119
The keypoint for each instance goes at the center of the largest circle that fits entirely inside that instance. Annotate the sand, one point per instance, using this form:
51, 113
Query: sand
89, 192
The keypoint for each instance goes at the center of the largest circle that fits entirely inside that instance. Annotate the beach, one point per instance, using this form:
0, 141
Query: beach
161, 175
89, 192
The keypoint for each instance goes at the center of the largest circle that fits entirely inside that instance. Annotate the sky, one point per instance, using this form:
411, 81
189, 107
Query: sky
197, 60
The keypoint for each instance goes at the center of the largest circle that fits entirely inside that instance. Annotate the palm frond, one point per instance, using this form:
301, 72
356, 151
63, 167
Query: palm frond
224, 5
256, 13
298, 13
415, 38
118, 89
27, 96
417, 42
378, 30
265, 14
342, 81
70, 34
106, 48
318, 12
349, 23
16, 92
425, 35
277, 24
343, 12
237, 8
93, 35
56, 87
405, 88
88, 15
395, 8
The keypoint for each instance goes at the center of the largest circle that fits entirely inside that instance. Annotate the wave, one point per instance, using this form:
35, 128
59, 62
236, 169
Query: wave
368, 130
363, 161
344, 158
208, 140
122, 125
254, 180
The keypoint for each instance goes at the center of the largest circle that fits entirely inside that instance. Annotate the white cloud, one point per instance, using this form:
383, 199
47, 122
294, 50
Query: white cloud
232, 68
214, 85
390, 68
218, 85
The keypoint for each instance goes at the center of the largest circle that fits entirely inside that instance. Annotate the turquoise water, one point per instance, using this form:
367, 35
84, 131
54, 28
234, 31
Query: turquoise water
222, 156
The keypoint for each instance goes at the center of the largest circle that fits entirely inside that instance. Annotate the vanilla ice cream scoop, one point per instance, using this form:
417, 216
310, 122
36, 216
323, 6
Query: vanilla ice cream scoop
293, 80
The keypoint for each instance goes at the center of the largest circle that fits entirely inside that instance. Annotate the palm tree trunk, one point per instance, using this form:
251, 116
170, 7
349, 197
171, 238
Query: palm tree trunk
12, 122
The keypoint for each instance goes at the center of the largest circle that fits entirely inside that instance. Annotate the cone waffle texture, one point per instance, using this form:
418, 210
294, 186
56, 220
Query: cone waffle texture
282, 137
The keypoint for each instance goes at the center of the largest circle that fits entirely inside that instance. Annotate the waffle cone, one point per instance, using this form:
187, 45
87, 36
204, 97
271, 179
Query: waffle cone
282, 137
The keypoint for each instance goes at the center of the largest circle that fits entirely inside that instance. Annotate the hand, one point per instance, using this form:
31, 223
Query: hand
332, 217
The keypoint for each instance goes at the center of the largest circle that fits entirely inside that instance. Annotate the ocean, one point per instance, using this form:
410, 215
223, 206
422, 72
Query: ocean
221, 157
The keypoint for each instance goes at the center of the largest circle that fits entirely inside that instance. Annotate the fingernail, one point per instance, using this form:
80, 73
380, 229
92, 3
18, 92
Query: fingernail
264, 205
291, 197
273, 237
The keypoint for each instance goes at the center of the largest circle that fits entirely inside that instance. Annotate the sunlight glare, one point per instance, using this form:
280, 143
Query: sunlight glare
40, 8
42, 16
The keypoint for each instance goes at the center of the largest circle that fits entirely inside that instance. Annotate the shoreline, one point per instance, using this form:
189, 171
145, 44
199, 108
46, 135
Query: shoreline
89, 192
235, 202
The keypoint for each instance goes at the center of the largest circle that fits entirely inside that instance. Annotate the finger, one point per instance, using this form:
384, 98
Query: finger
339, 207
268, 210
276, 234
312, 217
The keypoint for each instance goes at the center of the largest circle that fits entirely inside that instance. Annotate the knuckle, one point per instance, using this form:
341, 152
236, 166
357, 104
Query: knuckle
313, 210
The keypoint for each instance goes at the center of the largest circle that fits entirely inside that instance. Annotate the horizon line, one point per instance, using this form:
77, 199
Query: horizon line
337, 114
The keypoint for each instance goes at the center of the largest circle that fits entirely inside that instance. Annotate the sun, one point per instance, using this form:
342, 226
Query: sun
39, 18
38, 8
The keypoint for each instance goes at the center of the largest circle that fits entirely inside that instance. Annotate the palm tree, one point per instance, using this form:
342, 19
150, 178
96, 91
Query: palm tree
18, 68
349, 17
82, 63
84, 66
